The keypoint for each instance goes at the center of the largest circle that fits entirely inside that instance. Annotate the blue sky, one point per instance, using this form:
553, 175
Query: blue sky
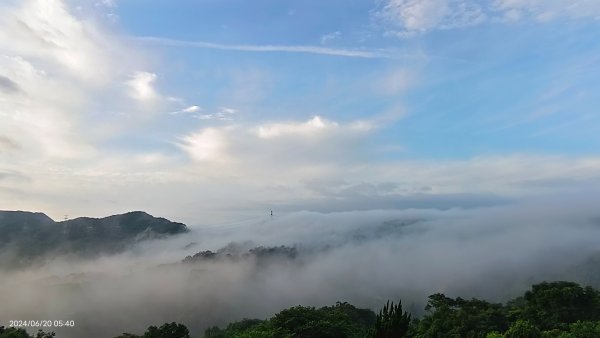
494, 87
193, 107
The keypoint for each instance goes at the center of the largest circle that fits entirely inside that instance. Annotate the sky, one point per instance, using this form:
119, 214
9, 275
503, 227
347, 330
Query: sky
208, 111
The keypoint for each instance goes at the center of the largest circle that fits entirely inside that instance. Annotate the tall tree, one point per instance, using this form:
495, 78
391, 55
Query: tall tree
391, 322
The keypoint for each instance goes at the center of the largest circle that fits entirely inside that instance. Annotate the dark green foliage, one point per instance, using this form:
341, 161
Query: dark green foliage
338, 321
558, 304
548, 310
247, 328
547, 307
213, 332
296, 318
391, 322
523, 329
458, 317
576, 330
261, 254
42, 334
128, 335
234, 329
34, 235
357, 321
262, 331
244, 324
13, 332
167, 330
580, 330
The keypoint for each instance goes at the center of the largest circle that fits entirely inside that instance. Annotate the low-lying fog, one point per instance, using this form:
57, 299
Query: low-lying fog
361, 257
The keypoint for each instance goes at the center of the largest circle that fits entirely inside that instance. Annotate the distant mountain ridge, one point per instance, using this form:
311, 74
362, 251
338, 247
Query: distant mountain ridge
29, 235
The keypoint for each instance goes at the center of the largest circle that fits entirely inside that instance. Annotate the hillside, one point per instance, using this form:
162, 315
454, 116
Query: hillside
29, 235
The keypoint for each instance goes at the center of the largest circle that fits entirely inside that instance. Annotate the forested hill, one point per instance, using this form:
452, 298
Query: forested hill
548, 310
28, 235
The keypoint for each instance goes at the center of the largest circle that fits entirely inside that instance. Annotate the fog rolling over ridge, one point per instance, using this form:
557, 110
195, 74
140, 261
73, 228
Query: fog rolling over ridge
32, 238
364, 257
406, 148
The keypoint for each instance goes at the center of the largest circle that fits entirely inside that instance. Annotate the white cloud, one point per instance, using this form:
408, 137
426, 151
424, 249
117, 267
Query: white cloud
39, 116
191, 109
59, 73
260, 149
416, 15
223, 114
46, 29
141, 86
61, 91
58, 70
209, 144
409, 17
358, 53
419, 16
327, 38
313, 126
547, 10
226, 110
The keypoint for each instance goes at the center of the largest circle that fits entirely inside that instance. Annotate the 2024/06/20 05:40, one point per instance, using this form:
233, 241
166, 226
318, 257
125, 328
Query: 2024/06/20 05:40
41, 323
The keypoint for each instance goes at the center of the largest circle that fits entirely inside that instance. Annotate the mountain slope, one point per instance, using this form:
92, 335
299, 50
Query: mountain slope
29, 235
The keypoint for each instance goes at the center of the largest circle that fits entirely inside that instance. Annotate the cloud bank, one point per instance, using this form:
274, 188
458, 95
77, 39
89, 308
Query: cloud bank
364, 257
84, 132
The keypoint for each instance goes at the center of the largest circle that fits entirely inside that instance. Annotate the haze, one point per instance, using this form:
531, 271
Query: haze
404, 147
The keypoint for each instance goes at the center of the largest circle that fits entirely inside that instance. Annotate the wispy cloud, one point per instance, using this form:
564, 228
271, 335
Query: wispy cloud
405, 18
224, 114
543, 11
221, 114
325, 39
191, 109
358, 53
187, 110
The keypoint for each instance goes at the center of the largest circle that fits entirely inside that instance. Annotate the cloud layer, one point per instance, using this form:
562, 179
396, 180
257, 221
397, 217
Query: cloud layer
89, 128
364, 257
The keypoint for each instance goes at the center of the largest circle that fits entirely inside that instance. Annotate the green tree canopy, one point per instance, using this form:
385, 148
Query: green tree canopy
392, 322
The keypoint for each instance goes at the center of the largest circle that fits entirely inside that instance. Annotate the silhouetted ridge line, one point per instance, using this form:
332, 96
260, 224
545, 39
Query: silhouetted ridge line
31, 235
